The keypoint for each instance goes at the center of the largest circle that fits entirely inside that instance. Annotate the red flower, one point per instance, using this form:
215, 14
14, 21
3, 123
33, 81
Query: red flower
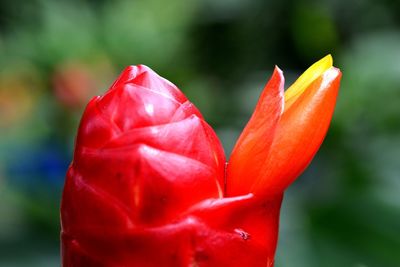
147, 183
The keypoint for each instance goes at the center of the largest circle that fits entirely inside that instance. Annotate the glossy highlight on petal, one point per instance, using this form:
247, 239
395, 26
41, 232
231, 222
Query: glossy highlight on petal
249, 151
300, 133
303, 82
149, 186
144, 155
283, 152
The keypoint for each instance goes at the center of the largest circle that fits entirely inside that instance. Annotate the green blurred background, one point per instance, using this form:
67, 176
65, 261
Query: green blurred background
54, 55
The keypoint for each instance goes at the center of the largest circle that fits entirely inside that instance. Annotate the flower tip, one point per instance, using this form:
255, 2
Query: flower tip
310, 75
329, 76
327, 59
278, 73
131, 73
333, 71
277, 69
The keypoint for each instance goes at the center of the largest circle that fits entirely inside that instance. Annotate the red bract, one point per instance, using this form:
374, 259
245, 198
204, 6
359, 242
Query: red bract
147, 185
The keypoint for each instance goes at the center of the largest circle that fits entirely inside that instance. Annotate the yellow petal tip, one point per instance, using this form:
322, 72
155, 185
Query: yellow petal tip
311, 74
328, 60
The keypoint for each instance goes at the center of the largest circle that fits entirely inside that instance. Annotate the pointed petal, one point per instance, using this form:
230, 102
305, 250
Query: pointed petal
163, 194
145, 77
145, 148
191, 137
304, 81
101, 208
300, 133
254, 143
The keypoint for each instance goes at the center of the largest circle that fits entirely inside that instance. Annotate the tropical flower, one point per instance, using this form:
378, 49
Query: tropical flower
148, 185
285, 131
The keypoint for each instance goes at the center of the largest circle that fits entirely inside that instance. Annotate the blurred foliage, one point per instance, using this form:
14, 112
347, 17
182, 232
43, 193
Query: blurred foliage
56, 55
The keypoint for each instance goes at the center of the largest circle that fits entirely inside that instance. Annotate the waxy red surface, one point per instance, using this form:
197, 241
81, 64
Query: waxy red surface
148, 185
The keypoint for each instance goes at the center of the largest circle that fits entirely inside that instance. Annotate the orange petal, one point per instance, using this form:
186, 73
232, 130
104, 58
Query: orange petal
252, 148
299, 134
304, 81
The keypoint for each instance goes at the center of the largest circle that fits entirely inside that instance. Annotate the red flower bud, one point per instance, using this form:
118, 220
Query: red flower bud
145, 187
